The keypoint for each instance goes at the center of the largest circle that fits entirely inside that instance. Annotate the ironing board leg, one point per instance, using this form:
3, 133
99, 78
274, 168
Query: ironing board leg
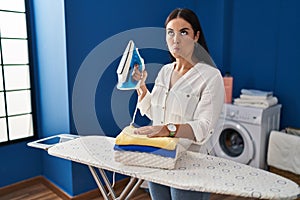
99, 183
130, 188
135, 188
128, 191
108, 185
129, 185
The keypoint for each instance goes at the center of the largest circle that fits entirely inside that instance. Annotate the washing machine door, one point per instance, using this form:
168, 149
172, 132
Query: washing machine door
233, 142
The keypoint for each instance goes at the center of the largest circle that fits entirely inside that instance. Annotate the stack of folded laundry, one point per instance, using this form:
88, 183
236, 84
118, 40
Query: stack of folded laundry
256, 98
140, 150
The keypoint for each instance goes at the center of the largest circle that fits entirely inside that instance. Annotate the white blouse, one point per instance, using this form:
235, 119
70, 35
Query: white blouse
196, 99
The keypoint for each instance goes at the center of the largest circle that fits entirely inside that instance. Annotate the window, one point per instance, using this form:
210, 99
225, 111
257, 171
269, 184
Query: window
16, 121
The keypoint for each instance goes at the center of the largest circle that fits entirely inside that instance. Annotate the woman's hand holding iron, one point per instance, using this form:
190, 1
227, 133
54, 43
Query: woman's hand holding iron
137, 75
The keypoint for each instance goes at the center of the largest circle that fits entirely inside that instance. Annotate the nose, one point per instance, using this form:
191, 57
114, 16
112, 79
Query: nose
176, 38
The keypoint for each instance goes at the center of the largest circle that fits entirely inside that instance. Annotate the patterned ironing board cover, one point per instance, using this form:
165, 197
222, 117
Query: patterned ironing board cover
193, 171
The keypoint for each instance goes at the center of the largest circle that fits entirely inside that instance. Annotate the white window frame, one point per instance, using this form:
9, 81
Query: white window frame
16, 116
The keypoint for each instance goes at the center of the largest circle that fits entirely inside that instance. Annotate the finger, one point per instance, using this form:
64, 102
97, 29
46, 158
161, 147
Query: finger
144, 75
142, 131
136, 76
134, 72
136, 68
152, 135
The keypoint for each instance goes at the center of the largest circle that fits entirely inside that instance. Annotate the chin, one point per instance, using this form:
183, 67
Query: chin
175, 55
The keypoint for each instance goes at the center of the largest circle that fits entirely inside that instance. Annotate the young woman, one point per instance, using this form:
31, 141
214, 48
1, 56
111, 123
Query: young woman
188, 94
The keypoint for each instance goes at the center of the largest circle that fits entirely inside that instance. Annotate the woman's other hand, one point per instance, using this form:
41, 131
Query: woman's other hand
152, 131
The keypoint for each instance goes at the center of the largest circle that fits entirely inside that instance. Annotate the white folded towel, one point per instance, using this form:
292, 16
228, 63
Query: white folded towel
256, 92
246, 96
260, 103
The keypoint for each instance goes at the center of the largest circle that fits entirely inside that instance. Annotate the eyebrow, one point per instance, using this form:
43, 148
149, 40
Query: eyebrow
183, 29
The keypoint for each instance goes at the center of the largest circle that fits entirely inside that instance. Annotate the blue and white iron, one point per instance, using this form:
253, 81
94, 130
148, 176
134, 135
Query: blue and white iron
130, 58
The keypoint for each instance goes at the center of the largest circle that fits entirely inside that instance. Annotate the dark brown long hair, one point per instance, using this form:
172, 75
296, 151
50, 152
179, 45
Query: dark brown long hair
189, 16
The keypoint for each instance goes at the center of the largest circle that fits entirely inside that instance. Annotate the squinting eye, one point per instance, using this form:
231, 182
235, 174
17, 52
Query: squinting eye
170, 33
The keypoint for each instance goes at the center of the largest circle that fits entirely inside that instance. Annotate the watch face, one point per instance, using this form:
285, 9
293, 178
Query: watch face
171, 127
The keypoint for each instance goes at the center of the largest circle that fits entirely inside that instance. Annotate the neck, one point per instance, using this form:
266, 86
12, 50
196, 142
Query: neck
182, 66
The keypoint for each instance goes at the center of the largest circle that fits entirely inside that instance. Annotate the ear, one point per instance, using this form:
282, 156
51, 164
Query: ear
197, 35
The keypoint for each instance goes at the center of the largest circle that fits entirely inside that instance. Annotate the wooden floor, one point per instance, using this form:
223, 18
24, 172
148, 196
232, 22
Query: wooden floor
41, 189
38, 191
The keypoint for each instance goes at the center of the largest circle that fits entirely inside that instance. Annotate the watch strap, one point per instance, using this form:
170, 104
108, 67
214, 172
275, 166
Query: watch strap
172, 134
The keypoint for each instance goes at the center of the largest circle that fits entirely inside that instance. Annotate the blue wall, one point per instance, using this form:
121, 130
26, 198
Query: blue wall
257, 41
264, 51
51, 78
18, 162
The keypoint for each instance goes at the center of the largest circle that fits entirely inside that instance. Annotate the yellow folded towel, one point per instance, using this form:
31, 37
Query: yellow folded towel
127, 137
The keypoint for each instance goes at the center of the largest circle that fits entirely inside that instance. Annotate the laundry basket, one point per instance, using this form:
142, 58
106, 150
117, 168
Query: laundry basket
284, 155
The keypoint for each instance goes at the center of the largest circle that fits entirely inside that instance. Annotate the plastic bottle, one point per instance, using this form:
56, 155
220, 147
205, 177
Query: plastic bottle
228, 84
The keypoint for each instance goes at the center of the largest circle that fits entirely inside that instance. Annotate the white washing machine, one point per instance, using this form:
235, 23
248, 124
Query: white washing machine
243, 132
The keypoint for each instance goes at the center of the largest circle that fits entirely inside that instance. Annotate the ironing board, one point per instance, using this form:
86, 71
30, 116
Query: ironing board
193, 171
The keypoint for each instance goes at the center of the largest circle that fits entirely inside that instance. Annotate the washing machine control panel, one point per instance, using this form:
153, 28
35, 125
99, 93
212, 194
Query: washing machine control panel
243, 114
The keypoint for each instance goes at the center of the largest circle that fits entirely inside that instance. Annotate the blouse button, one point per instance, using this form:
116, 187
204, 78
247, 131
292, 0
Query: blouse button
187, 95
161, 122
163, 107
